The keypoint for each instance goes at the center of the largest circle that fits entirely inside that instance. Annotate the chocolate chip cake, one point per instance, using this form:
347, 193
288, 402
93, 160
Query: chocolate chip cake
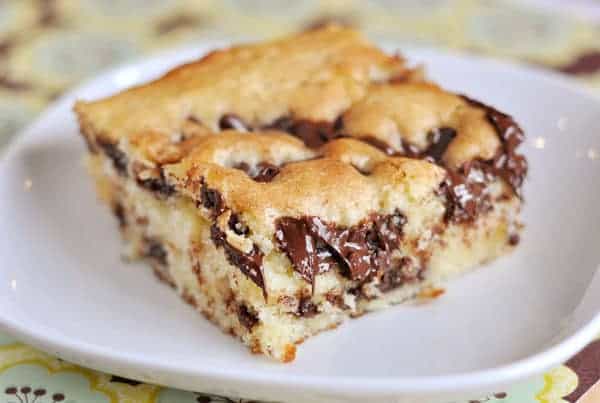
284, 187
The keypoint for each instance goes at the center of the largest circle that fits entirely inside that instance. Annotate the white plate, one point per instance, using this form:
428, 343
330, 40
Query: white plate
64, 289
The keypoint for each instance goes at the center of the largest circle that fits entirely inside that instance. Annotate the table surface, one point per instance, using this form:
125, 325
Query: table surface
47, 46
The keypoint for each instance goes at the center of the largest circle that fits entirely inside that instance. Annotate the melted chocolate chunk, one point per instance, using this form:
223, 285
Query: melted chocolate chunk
118, 157
338, 124
410, 150
237, 226
508, 164
399, 273
439, 140
314, 246
212, 200
296, 240
313, 133
306, 308
465, 188
156, 251
266, 172
232, 121
261, 172
158, 185
247, 319
249, 263
465, 192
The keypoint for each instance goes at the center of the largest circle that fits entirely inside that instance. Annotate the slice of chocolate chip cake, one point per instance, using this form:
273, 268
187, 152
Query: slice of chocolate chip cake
283, 187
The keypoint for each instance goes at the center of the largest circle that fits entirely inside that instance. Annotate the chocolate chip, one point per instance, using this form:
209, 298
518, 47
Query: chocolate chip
338, 124
189, 299
197, 270
284, 123
465, 197
306, 308
313, 133
39, 392
312, 244
296, 240
508, 164
232, 121
410, 150
11, 390
439, 140
266, 172
155, 250
249, 263
393, 277
211, 199
246, 318
514, 239
119, 212
336, 300
261, 172
373, 241
26, 389
465, 187
118, 157
237, 226
158, 186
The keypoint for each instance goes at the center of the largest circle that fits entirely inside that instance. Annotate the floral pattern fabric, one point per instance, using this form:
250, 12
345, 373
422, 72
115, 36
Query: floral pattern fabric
47, 46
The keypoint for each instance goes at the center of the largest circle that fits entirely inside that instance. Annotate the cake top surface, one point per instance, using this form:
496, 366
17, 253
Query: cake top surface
318, 123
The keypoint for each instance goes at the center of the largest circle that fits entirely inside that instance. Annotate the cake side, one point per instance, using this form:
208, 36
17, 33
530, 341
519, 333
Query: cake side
180, 245
281, 200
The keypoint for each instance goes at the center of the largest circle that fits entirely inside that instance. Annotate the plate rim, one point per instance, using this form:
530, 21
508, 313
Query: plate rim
88, 355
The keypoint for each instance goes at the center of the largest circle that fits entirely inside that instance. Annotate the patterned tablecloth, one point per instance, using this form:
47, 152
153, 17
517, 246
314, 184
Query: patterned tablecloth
47, 46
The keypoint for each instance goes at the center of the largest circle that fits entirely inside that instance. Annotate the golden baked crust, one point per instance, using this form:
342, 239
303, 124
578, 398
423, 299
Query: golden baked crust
323, 78
315, 75
409, 112
290, 184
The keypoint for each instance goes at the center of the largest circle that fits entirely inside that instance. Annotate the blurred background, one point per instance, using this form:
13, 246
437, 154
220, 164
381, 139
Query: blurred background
47, 46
